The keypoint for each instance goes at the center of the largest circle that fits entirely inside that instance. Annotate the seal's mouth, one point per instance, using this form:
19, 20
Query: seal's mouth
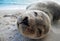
33, 33
29, 31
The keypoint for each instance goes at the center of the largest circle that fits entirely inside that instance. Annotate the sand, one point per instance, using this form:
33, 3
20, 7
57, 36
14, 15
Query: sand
9, 30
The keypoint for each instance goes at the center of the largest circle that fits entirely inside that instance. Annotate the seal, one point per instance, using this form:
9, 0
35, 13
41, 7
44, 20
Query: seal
35, 22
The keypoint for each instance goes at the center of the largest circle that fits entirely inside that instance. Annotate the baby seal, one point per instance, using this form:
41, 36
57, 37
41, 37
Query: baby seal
35, 22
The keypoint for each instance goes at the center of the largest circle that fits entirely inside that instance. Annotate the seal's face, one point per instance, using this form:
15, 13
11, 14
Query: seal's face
33, 24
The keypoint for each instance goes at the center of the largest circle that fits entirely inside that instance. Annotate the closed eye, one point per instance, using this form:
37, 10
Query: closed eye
35, 13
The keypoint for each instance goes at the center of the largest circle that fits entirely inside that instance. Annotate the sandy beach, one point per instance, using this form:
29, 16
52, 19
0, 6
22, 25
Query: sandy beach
9, 30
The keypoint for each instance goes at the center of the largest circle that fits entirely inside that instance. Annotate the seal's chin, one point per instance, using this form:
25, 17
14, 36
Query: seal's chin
29, 33
33, 33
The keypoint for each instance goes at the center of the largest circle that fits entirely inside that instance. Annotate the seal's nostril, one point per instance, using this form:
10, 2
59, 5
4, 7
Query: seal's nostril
25, 21
26, 18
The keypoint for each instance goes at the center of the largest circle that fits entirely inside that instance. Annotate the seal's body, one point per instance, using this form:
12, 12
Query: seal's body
36, 20
52, 9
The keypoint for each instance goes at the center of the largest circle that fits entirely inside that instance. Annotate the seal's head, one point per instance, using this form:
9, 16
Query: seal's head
33, 24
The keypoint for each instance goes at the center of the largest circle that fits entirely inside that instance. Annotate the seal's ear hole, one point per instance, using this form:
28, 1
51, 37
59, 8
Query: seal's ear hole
25, 21
35, 13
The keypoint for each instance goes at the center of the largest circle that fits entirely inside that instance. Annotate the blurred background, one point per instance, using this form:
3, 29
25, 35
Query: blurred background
15, 4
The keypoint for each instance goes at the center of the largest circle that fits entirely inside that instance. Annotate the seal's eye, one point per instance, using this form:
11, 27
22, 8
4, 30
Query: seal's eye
25, 21
35, 13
